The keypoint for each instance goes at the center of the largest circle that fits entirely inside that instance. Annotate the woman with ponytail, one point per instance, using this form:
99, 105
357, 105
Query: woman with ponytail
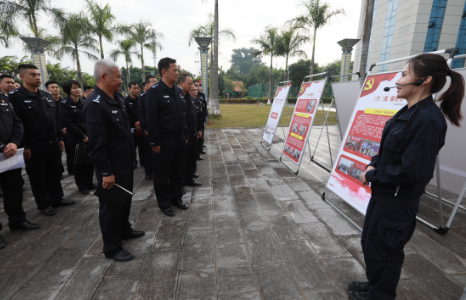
400, 172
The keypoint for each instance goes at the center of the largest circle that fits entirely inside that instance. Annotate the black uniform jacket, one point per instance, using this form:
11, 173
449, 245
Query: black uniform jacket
58, 111
11, 127
411, 141
109, 132
166, 113
72, 117
142, 111
191, 115
201, 96
201, 117
38, 111
132, 108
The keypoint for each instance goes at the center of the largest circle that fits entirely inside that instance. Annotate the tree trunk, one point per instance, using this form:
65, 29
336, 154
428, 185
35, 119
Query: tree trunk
101, 47
78, 65
215, 108
142, 63
313, 52
286, 69
269, 101
34, 25
128, 80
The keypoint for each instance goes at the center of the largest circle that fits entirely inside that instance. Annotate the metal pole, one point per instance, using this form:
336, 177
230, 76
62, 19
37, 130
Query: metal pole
439, 191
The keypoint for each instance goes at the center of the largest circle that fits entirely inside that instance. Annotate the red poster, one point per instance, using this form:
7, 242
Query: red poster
352, 170
306, 106
297, 136
373, 82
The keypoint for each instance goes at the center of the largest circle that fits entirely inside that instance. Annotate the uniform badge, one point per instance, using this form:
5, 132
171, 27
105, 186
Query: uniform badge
181, 96
166, 97
48, 100
27, 101
97, 100
73, 106
114, 112
63, 101
4, 104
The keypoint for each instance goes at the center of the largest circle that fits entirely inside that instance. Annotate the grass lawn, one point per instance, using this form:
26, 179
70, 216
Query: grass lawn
239, 115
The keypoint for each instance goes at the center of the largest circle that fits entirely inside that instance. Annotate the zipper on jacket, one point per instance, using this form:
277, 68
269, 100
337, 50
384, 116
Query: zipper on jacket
397, 189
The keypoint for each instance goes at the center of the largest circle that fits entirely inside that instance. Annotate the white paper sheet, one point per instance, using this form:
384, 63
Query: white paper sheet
14, 162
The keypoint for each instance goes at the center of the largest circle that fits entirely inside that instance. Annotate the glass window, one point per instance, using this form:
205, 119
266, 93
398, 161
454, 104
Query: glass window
370, 38
461, 41
434, 27
388, 33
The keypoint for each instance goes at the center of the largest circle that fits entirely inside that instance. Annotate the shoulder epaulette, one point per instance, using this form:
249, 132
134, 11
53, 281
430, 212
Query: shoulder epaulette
97, 99
154, 86
12, 92
63, 101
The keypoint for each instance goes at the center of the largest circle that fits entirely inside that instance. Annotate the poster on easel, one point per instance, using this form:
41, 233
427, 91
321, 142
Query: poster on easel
361, 141
303, 117
275, 112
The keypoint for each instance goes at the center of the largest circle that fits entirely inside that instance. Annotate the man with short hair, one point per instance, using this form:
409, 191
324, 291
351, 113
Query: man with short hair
52, 87
11, 133
166, 123
132, 107
87, 91
202, 99
42, 140
111, 151
148, 162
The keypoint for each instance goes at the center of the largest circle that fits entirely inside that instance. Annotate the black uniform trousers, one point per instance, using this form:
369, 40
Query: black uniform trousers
69, 150
12, 185
140, 144
83, 174
200, 144
114, 222
44, 171
387, 229
148, 157
190, 159
168, 170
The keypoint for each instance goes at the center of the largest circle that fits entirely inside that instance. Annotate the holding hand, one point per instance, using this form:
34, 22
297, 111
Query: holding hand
108, 182
363, 177
10, 150
156, 149
85, 140
199, 134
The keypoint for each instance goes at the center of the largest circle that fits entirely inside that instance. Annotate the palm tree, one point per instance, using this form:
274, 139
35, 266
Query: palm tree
268, 46
101, 19
19, 12
154, 44
6, 32
317, 15
289, 42
143, 35
75, 39
125, 48
210, 29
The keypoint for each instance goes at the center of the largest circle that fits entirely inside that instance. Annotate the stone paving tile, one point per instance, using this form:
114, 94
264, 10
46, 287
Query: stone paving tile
230, 235
262, 246
117, 288
410, 289
148, 221
276, 282
300, 212
13, 278
36, 293
170, 234
199, 256
268, 202
200, 217
326, 245
251, 214
160, 276
345, 270
235, 278
231, 252
338, 225
332, 293
243, 194
283, 227
131, 268
238, 180
254, 296
197, 284
199, 237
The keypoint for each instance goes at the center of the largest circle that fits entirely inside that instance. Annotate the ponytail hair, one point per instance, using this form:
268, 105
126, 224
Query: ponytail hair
425, 65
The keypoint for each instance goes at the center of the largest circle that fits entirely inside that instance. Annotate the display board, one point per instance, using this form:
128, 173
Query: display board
451, 156
345, 94
362, 138
275, 112
303, 117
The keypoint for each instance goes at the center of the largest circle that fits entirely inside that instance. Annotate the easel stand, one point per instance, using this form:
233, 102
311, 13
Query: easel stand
312, 123
440, 229
266, 145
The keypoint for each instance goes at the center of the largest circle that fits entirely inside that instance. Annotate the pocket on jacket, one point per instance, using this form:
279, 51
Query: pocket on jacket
392, 234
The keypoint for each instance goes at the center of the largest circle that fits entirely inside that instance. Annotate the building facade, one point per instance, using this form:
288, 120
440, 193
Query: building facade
402, 28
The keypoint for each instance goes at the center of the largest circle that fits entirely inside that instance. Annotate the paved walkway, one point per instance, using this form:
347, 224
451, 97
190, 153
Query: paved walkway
253, 231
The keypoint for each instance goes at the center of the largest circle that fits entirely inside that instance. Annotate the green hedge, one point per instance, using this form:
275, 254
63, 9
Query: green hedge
249, 100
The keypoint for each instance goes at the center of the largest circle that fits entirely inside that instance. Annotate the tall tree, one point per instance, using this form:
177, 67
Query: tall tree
75, 39
101, 20
125, 48
316, 15
289, 42
210, 29
142, 35
19, 12
7, 31
154, 44
268, 46
243, 59
214, 104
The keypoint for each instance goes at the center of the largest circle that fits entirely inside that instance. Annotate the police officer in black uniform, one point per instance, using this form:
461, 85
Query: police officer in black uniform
71, 112
11, 133
148, 164
200, 116
132, 108
186, 84
42, 140
168, 135
111, 151
205, 111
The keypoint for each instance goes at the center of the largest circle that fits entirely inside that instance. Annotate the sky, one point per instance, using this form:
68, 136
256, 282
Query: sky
176, 18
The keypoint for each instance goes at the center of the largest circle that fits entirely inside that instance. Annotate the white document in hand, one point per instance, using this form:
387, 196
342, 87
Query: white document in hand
14, 162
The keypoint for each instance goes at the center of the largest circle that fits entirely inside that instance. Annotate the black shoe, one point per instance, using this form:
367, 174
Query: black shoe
135, 166
121, 256
203, 152
70, 172
93, 186
1, 194
61, 177
148, 177
183, 190
49, 211
64, 202
203, 146
196, 175
2, 243
358, 296
199, 158
135, 234
84, 191
194, 183
26, 225
359, 286
168, 212
179, 203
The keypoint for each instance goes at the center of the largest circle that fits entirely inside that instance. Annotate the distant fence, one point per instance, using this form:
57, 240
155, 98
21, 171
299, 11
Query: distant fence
261, 90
